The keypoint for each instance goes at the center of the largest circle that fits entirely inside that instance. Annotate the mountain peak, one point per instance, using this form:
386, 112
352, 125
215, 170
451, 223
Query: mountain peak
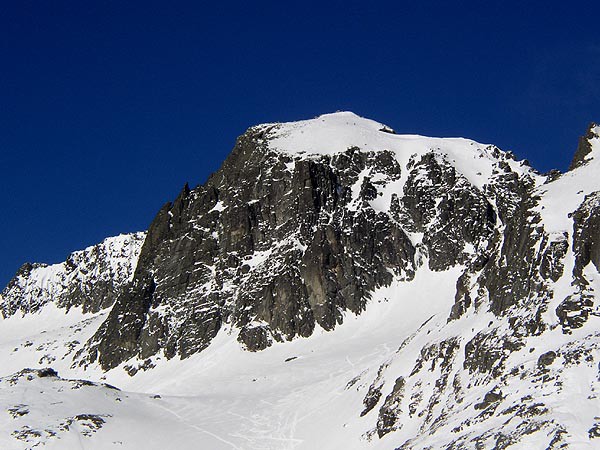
411, 291
335, 133
326, 134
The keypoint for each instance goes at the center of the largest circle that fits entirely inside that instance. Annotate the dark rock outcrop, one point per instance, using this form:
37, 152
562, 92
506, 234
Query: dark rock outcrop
584, 147
450, 211
271, 243
586, 233
574, 311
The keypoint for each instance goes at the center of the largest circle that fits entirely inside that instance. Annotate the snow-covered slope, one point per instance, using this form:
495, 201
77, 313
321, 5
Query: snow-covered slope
335, 133
398, 292
46, 411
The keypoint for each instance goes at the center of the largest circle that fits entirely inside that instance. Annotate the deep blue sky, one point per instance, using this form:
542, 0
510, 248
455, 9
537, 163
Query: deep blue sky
107, 109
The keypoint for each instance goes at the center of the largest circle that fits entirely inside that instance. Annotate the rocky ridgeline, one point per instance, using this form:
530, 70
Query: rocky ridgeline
90, 278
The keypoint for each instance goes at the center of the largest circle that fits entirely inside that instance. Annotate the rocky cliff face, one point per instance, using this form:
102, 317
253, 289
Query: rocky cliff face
305, 225
283, 239
273, 244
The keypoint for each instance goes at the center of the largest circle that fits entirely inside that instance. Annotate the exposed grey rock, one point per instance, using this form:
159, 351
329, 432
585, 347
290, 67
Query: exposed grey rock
491, 398
594, 432
576, 308
546, 359
389, 412
374, 393
574, 311
586, 238
584, 147
508, 276
450, 212
551, 265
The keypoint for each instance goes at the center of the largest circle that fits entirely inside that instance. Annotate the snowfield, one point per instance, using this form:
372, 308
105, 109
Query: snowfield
302, 394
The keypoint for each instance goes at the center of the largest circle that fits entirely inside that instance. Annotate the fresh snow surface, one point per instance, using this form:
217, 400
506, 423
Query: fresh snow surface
335, 133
